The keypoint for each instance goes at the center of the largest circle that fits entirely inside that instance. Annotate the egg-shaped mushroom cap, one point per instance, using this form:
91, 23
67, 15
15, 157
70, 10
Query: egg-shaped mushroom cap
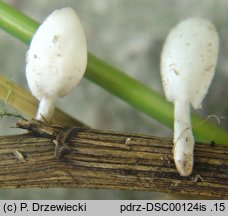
188, 60
57, 58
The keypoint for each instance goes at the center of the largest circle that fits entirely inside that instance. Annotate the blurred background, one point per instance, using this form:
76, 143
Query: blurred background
129, 35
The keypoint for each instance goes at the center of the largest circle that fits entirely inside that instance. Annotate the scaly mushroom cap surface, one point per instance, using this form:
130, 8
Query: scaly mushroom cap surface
56, 60
188, 60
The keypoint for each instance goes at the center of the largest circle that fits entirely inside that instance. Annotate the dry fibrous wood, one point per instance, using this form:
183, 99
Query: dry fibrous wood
58, 156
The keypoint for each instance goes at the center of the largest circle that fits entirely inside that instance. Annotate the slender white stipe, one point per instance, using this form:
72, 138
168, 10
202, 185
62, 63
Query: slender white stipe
188, 62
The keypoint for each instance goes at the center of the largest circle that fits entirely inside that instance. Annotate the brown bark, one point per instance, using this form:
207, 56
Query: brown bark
55, 156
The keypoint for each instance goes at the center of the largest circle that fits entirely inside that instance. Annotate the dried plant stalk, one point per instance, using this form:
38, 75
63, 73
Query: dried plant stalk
105, 159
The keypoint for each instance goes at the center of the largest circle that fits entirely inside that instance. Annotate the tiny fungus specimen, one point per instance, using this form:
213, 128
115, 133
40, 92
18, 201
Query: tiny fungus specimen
56, 60
188, 62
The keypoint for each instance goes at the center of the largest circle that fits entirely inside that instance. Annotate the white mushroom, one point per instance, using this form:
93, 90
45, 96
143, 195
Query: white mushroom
188, 63
56, 60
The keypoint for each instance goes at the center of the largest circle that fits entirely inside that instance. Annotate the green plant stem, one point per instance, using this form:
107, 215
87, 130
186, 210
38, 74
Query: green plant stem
16, 23
147, 100
115, 81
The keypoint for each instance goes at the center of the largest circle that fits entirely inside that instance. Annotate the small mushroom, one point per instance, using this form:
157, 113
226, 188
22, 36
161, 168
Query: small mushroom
188, 63
56, 60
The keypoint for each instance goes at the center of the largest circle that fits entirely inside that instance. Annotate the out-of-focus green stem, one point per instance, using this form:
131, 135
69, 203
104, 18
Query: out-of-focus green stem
16, 23
115, 81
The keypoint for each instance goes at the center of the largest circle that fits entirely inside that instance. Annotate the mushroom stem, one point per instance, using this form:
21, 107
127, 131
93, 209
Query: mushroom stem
46, 108
183, 138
